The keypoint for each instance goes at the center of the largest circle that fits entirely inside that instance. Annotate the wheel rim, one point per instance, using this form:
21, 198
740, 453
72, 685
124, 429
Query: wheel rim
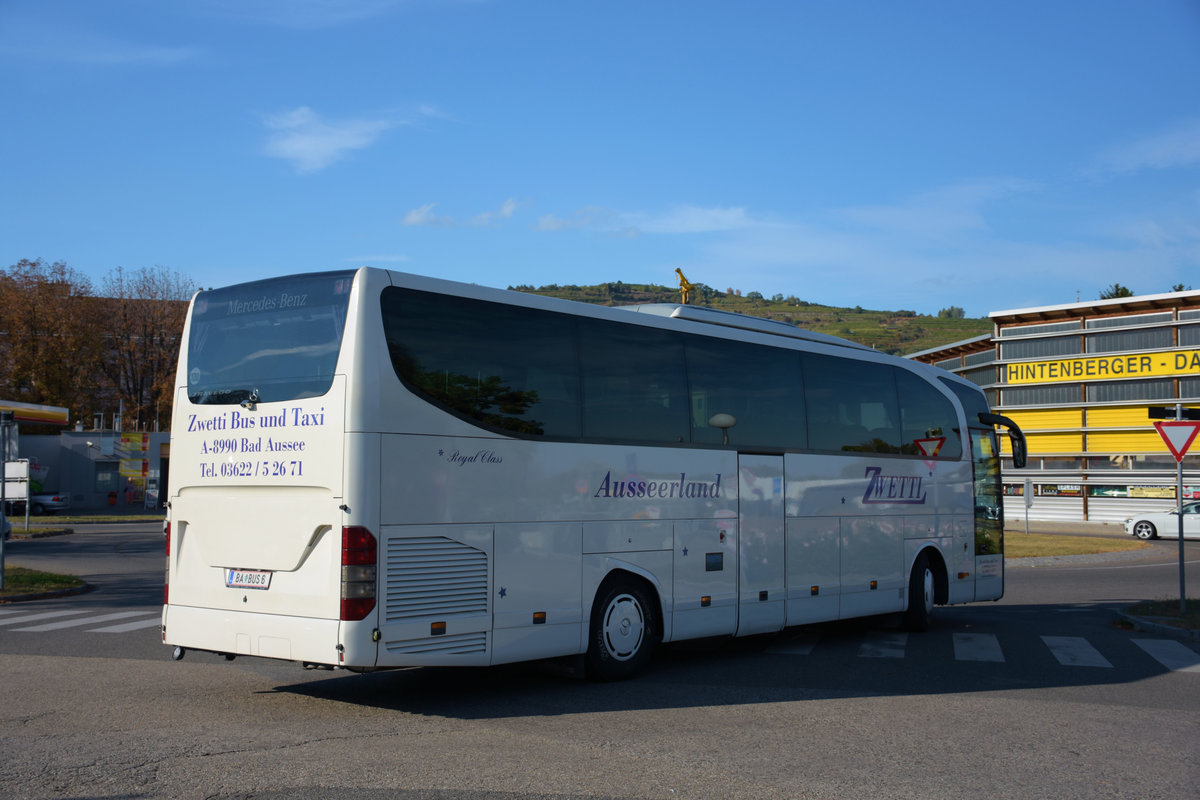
1143, 530
927, 585
624, 627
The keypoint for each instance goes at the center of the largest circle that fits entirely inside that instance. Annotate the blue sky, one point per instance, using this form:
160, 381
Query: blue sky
892, 155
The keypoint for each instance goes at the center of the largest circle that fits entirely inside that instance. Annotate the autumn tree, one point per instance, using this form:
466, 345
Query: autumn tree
145, 310
48, 342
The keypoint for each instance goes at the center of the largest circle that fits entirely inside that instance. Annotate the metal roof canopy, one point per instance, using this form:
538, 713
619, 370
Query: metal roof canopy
37, 415
1099, 308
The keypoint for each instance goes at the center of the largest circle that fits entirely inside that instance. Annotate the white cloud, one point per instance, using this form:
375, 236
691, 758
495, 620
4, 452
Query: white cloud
424, 217
302, 14
1176, 147
679, 220
589, 217
311, 143
506, 210
378, 259
939, 214
34, 39
694, 219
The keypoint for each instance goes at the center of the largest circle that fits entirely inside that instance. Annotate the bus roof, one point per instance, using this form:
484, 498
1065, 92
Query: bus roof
732, 319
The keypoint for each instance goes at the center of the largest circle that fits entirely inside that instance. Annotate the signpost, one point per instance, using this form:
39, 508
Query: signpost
1028, 502
6, 422
1179, 434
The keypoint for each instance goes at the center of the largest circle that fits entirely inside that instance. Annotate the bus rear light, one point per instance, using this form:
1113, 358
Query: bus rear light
356, 608
359, 574
360, 553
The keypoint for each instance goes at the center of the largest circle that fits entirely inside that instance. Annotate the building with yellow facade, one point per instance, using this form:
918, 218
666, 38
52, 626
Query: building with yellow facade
1079, 380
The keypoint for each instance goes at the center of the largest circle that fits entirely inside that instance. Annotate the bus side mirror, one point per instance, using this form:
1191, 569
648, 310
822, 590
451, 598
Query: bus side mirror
1020, 451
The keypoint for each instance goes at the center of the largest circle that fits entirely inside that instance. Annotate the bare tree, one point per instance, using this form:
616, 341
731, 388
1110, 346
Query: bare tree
146, 309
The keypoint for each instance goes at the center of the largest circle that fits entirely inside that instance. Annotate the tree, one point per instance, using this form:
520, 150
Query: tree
1179, 287
953, 312
145, 312
1115, 291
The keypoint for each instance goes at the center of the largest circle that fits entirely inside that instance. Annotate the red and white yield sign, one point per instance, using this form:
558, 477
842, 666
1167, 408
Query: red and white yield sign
1178, 435
930, 448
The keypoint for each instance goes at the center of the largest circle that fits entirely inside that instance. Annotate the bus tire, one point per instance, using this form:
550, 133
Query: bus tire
921, 589
624, 630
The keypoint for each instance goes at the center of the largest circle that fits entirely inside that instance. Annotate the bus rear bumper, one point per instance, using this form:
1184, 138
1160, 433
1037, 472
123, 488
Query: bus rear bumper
233, 633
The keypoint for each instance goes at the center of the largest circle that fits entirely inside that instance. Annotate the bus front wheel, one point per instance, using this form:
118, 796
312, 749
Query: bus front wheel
921, 588
623, 631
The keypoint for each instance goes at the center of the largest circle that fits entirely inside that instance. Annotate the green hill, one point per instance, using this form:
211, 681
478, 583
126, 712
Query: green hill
896, 332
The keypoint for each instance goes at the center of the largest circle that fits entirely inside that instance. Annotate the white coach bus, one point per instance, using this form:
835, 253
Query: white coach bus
373, 469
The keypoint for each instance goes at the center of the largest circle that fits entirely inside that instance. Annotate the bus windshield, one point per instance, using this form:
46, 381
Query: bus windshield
272, 340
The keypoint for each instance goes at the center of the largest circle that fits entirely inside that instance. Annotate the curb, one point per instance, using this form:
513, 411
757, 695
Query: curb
23, 535
21, 598
1150, 626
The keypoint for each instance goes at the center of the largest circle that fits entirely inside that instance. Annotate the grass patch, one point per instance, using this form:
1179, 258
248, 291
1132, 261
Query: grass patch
1166, 612
1030, 545
19, 580
66, 520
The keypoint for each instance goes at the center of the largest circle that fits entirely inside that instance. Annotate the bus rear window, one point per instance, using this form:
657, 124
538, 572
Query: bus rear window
272, 340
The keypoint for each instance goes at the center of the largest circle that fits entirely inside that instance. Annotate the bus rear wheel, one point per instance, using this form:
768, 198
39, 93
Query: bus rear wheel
921, 589
623, 632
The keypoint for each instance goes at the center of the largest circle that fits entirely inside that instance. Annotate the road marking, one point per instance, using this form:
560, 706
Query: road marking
43, 615
153, 622
1175, 656
977, 647
1074, 651
883, 645
75, 623
800, 645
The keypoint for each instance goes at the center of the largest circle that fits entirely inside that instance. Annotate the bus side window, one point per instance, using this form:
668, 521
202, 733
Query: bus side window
634, 387
926, 413
759, 386
506, 367
852, 405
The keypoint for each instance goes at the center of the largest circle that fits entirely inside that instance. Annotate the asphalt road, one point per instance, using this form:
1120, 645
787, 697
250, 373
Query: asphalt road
1038, 695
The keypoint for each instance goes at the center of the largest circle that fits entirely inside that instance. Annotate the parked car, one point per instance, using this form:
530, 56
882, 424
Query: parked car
41, 503
1166, 523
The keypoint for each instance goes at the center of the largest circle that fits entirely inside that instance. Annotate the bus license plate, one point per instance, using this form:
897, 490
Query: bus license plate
247, 579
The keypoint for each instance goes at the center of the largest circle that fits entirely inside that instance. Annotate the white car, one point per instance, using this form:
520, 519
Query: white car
1166, 523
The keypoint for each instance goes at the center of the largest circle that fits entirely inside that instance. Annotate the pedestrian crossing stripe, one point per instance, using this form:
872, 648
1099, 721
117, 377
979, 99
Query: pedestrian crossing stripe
1075, 651
18, 621
1069, 651
76, 623
1173, 655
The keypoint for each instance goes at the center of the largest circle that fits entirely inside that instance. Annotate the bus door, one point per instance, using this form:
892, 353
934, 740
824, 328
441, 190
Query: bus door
762, 591
989, 515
